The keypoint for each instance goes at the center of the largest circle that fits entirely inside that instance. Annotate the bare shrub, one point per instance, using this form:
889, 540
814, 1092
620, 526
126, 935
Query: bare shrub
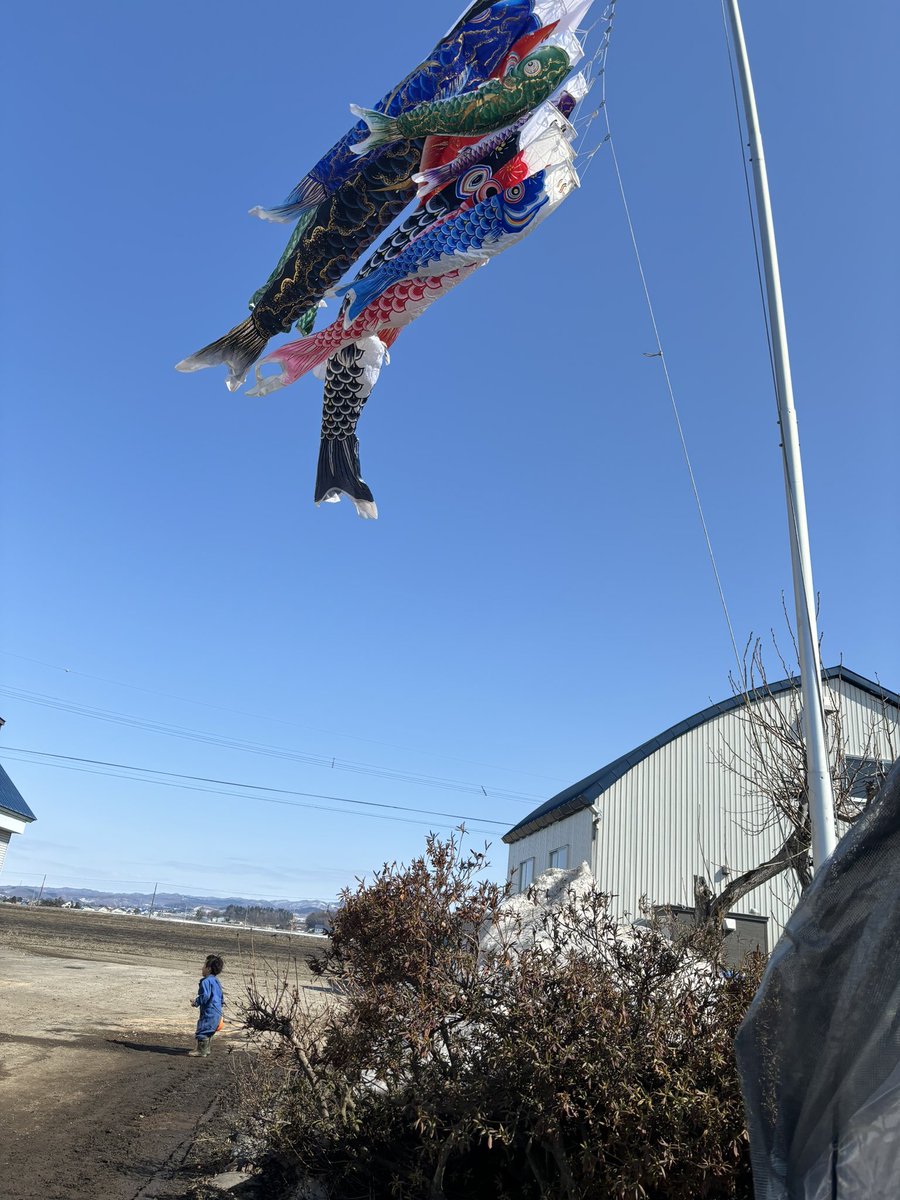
595, 1061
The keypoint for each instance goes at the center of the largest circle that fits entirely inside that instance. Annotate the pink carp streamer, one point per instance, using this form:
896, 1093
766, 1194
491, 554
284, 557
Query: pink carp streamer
396, 308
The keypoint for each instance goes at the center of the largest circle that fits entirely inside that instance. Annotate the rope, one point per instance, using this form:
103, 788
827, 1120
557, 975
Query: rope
659, 352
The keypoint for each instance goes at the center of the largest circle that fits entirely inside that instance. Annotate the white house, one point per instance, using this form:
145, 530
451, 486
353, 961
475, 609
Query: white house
14, 812
681, 806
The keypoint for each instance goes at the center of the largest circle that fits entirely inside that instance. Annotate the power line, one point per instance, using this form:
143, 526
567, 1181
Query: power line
328, 762
280, 720
113, 770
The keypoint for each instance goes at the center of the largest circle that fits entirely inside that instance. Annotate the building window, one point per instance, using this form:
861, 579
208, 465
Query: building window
864, 776
526, 874
560, 858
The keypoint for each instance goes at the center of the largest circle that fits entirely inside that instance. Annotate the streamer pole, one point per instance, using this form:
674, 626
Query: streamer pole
821, 799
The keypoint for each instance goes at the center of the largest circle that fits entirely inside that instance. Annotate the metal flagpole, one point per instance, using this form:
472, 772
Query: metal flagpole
821, 799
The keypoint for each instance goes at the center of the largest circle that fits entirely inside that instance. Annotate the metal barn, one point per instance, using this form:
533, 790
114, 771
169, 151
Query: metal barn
689, 803
14, 812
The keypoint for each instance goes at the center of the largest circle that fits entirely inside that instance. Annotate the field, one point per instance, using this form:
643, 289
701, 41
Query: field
99, 1098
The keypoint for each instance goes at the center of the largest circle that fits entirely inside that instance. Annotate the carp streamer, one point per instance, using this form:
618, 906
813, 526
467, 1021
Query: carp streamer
479, 138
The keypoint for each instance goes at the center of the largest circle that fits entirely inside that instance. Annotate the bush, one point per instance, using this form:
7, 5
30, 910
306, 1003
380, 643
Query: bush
585, 1061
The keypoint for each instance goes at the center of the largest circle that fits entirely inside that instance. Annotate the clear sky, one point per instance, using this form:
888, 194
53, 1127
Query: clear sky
536, 597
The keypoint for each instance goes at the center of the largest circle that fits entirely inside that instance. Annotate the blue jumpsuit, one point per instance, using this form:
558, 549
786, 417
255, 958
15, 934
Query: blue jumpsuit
209, 1001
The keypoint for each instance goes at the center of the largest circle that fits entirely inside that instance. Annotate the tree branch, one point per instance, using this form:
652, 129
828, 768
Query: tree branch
710, 909
437, 1182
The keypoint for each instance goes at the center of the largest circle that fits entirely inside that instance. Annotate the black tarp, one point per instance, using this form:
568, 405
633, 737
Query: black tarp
819, 1050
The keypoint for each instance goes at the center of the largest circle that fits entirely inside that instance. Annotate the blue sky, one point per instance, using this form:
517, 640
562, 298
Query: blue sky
536, 597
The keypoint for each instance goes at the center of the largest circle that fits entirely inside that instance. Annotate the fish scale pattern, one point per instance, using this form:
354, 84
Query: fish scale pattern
470, 53
393, 309
435, 208
350, 375
447, 201
493, 104
346, 225
482, 83
488, 227
343, 400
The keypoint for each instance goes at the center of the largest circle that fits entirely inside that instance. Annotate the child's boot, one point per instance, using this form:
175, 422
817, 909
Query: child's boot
202, 1050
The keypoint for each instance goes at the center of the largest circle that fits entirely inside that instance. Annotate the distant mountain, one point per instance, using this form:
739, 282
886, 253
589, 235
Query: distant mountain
169, 901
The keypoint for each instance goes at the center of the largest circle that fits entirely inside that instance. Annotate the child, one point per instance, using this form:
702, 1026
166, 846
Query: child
209, 1001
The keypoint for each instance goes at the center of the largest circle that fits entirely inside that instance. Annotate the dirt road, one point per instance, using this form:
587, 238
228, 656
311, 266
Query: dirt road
98, 1096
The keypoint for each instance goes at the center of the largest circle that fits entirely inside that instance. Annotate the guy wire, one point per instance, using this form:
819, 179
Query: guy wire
660, 354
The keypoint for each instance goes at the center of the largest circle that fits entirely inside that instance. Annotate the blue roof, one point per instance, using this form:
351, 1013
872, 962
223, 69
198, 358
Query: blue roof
11, 799
583, 794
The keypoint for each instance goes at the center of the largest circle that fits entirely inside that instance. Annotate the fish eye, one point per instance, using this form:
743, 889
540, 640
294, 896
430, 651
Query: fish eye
473, 181
532, 68
491, 188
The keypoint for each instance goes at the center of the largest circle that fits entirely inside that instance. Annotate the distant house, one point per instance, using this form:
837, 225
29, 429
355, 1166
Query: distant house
680, 806
14, 812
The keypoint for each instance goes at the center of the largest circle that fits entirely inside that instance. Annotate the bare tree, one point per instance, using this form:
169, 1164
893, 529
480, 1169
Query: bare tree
770, 762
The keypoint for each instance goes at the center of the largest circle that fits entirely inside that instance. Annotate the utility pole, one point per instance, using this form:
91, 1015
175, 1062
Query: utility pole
41, 892
818, 770
153, 901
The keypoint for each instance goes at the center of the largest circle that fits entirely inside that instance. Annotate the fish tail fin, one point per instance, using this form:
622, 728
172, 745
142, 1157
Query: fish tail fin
308, 194
278, 214
433, 179
295, 360
266, 384
237, 350
382, 129
339, 475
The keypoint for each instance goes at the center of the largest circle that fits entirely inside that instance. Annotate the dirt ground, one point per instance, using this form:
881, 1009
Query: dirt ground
99, 1100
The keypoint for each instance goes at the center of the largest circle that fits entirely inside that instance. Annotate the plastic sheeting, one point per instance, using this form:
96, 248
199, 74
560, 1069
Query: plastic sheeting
819, 1051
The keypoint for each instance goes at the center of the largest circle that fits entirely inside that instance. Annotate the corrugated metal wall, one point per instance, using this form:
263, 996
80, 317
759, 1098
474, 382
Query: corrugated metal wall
682, 812
5, 835
573, 831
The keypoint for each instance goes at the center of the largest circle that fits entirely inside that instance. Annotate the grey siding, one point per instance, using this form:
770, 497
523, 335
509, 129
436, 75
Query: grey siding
680, 812
5, 835
573, 831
